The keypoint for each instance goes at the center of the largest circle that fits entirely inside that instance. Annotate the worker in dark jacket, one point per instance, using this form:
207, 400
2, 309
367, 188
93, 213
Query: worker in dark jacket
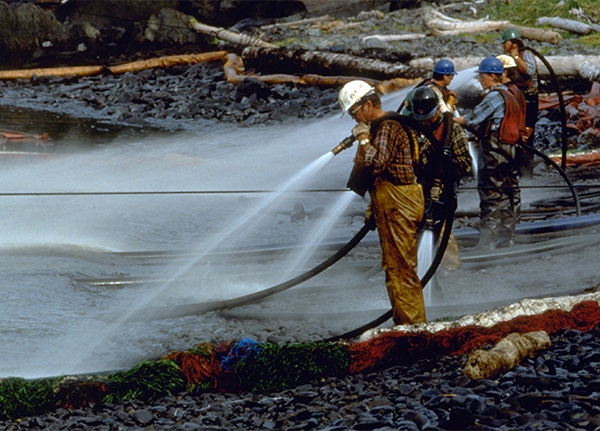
444, 159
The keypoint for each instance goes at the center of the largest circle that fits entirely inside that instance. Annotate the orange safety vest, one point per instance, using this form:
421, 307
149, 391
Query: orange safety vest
512, 128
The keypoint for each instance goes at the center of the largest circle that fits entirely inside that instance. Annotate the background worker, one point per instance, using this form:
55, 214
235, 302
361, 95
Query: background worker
443, 162
526, 78
443, 74
499, 119
384, 167
510, 71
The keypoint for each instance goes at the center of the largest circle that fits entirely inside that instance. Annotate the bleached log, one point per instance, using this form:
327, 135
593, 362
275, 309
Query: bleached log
296, 23
586, 66
324, 63
439, 24
392, 37
565, 24
507, 354
538, 34
229, 36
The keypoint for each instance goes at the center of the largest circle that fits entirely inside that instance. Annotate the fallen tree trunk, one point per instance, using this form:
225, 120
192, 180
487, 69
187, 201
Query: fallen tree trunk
586, 66
234, 74
324, 63
295, 24
229, 36
391, 37
565, 24
538, 34
508, 353
439, 24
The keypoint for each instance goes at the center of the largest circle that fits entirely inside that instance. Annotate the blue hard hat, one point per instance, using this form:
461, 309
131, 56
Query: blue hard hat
444, 67
491, 65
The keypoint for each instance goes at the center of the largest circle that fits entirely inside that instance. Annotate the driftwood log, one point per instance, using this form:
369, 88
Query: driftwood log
391, 37
439, 24
298, 61
565, 24
585, 66
296, 24
508, 353
234, 71
229, 36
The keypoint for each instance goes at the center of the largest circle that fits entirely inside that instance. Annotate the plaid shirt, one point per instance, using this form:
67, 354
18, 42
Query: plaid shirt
532, 71
490, 109
390, 156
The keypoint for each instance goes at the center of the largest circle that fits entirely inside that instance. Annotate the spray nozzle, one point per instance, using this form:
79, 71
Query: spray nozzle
346, 143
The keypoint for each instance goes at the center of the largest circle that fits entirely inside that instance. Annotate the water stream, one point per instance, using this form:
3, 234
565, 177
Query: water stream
145, 205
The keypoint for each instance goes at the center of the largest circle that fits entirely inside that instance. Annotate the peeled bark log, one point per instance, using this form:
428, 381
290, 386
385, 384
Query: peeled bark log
565, 24
392, 37
439, 24
295, 24
234, 73
586, 66
508, 353
324, 63
237, 38
538, 34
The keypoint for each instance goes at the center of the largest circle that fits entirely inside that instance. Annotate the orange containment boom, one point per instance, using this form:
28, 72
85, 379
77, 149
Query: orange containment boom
166, 61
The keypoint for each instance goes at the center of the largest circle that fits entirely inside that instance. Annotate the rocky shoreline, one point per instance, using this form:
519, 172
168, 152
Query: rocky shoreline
188, 97
556, 390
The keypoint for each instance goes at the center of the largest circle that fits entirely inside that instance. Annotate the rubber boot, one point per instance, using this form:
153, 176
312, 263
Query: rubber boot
505, 237
487, 240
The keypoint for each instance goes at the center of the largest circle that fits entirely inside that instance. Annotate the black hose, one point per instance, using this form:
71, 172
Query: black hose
562, 173
253, 297
561, 102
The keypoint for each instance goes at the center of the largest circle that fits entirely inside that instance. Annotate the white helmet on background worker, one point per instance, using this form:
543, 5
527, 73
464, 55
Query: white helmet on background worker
507, 61
352, 93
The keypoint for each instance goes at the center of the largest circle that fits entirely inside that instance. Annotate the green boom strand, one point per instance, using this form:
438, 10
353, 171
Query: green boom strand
278, 367
147, 382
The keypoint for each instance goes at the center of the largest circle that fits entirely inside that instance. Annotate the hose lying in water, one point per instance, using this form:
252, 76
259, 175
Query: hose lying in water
189, 309
562, 173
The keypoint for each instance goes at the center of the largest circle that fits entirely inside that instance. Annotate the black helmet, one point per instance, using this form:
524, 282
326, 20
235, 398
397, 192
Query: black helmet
424, 103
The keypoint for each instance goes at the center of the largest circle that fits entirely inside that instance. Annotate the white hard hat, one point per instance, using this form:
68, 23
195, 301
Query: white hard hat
352, 92
507, 61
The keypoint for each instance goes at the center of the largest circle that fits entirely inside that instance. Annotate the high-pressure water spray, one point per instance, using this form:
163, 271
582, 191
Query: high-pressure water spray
345, 144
